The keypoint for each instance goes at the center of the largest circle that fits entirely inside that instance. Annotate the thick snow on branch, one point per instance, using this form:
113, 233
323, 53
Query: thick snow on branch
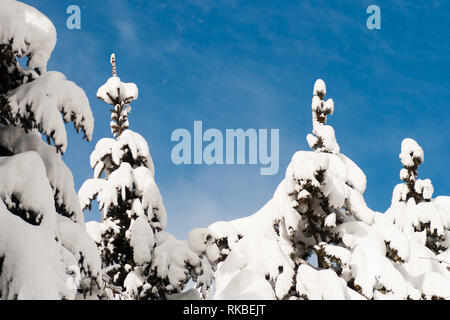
16, 141
25, 189
427, 222
115, 91
425, 188
110, 153
114, 189
411, 153
169, 262
172, 263
323, 137
28, 31
201, 241
37, 246
31, 267
371, 270
355, 176
142, 240
320, 89
38, 104
75, 239
257, 255
410, 217
323, 285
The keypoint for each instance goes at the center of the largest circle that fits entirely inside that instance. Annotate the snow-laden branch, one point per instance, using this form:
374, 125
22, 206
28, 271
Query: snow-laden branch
28, 31
38, 104
16, 141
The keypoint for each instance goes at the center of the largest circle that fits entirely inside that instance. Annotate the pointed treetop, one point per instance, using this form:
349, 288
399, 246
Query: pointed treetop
320, 88
118, 94
113, 63
412, 156
323, 138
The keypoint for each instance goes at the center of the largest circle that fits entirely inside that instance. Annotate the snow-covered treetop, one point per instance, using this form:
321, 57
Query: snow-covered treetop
118, 94
412, 156
413, 209
323, 138
411, 153
320, 89
29, 32
320, 107
115, 91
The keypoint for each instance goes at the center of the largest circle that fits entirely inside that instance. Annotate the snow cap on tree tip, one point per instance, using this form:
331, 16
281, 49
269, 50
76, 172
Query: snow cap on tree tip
115, 91
28, 31
320, 88
410, 151
118, 94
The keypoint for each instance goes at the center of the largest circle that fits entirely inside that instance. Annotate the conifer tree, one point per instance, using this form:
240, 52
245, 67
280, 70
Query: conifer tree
413, 210
318, 211
412, 156
143, 261
45, 252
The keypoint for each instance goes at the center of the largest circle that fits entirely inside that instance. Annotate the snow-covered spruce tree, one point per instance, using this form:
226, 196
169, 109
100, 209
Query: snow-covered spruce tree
45, 252
414, 211
319, 210
144, 262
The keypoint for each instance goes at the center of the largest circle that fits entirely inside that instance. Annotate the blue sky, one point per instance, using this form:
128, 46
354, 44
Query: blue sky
252, 64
